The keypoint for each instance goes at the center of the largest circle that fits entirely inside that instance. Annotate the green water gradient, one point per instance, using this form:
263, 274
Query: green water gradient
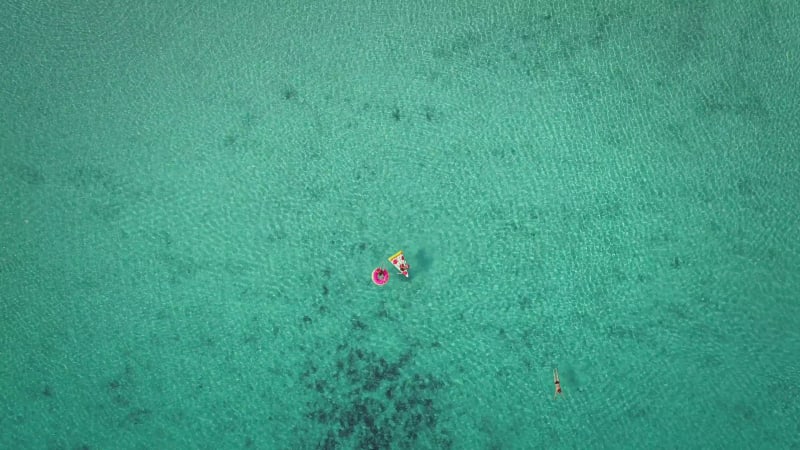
193, 198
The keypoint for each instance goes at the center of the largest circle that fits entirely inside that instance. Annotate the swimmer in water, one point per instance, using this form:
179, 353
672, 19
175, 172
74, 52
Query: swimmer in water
557, 382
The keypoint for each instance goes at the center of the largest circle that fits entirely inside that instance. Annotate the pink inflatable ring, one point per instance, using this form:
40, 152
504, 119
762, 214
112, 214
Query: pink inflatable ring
380, 276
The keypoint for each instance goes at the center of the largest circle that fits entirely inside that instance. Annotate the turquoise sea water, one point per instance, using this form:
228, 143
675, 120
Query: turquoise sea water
192, 199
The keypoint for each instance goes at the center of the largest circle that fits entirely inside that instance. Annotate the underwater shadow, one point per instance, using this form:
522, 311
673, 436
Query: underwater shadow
421, 261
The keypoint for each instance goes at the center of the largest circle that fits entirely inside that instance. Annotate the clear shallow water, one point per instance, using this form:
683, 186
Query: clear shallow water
193, 200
